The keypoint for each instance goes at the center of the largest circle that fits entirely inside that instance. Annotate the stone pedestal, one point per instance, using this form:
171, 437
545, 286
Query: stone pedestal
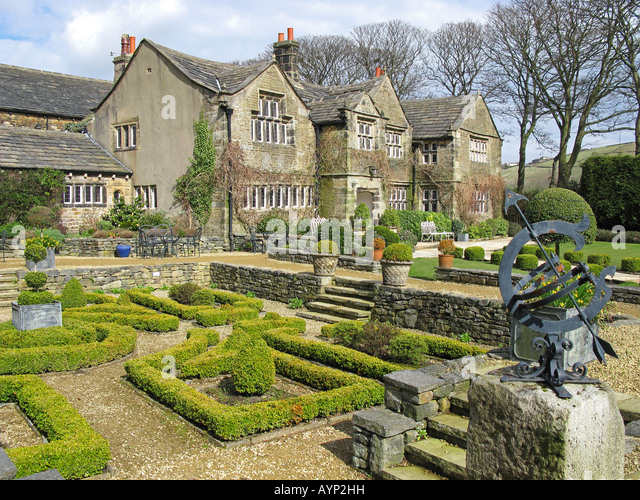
523, 430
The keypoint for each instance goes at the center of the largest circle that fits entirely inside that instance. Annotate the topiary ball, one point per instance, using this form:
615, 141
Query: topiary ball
73, 295
35, 252
253, 370
474, 253
526, 262
35, 280
563, 205
398, 252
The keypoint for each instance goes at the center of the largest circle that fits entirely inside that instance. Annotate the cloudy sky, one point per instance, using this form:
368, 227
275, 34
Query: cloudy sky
80, 37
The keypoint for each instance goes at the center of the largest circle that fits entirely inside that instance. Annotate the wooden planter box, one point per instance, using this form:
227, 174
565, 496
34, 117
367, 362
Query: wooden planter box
34, 316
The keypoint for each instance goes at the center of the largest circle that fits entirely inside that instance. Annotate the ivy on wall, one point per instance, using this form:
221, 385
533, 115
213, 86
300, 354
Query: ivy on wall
194, 190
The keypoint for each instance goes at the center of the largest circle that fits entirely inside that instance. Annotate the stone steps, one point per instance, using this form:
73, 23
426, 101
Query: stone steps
339, 303
441, 455
438, 456
10, 288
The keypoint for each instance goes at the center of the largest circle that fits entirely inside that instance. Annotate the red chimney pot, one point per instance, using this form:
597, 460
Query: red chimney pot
132, 44
281, 37
290, 33
124, 42
378, 71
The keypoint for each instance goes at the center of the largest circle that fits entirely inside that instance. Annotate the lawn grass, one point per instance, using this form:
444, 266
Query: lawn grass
424, 268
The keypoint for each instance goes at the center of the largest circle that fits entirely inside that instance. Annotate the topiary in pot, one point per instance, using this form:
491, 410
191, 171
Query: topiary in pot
73, 295
35, 308
35, 252
396, 263
253, 369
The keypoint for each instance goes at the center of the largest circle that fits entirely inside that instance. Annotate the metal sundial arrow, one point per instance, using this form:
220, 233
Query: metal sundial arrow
600, 346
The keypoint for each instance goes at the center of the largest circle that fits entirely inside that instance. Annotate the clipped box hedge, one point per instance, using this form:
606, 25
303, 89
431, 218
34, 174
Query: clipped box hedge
74, 448
407, 347
96, 343
526, 262
474, 253
601, 259
138, 317
574, 257
630, 264
340, 392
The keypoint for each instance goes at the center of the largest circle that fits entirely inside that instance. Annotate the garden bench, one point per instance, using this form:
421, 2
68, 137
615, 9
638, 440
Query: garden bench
430, 230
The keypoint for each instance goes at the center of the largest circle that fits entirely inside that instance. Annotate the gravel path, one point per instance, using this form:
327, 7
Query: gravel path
150, 442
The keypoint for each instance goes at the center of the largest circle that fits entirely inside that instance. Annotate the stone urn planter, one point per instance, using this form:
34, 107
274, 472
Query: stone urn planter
396, 262
324, 264
325, 261
30, 317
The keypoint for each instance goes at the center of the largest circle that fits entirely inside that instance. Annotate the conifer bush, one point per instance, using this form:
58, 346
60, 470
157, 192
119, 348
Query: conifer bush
253, 370
73, 295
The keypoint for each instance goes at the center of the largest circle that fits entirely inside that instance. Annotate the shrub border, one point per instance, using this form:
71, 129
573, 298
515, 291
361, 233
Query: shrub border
75, 449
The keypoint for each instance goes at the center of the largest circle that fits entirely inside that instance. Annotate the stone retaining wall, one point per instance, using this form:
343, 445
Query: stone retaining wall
105, 247
270, 284
485, 320
490, 278
107, 278
345, 261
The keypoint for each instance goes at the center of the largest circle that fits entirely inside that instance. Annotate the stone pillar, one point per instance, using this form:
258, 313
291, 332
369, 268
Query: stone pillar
521, 430
379, 439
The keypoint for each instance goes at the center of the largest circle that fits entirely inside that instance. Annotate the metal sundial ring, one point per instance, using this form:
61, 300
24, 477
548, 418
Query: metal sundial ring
543, 286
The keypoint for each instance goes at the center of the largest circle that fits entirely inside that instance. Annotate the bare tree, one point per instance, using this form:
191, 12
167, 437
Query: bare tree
454, 56
579, 73
396, 47
510, 47
624, 15
328, 60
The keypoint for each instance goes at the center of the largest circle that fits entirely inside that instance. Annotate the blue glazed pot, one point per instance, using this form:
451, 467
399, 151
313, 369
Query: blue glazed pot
123, 250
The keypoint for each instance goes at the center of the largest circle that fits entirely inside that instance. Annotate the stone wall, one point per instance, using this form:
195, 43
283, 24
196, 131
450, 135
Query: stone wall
345, 261
490, 278
107, 278
270, 284
485, 320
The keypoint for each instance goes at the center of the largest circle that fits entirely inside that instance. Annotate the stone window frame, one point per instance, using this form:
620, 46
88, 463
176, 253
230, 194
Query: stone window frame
480, 202
430, 199
75, 194
393, 143
478, 150
148, 195
397, 198
269, 124
129, 133
429, 152
365, 130
265, 197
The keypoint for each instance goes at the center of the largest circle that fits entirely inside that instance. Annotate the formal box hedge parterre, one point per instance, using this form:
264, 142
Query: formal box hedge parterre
73, 447
339, 391
77, 344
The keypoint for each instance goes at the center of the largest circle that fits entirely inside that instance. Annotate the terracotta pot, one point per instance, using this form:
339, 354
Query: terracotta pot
377, 253
445, 260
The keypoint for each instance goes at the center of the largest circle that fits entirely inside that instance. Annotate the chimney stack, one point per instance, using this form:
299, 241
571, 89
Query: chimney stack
127, 48
286, 54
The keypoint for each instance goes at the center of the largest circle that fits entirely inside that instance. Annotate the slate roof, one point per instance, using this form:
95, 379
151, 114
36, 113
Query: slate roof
213, 75
23, 148
38, 92
436, 117
327, 103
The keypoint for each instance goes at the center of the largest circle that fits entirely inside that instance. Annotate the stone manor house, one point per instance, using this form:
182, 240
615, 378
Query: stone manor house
315, 150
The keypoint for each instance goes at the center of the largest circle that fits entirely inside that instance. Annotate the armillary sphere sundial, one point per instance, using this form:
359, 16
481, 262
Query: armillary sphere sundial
543, 286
